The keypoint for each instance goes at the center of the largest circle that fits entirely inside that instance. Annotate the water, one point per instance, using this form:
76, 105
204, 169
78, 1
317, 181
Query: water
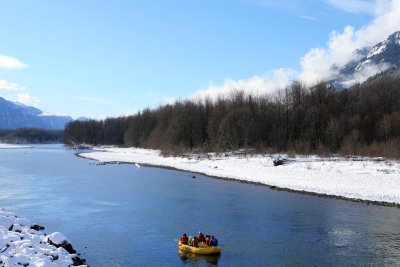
118, 215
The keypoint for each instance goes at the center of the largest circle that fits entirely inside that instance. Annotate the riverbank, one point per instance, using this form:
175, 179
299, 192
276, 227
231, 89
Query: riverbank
12, 146
24, 244
374, 180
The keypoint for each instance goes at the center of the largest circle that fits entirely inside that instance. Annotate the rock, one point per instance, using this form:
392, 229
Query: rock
84, 146
78, 261
65, 245
37, 227
55, 257
279, 160
59, 240
15, 227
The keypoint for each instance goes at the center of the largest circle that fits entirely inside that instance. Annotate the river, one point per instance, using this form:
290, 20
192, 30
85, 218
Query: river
120, 215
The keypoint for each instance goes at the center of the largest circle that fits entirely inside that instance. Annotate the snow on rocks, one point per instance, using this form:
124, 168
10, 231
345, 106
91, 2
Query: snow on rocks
22, 245
356, 178
58, 240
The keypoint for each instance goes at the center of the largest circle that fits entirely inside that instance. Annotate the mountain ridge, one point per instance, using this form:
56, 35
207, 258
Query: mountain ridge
14, 115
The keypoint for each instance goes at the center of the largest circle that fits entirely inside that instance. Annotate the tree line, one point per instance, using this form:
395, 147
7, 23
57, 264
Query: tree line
363, 119
31, 136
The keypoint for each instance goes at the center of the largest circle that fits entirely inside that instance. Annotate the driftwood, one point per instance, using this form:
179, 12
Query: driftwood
279, 160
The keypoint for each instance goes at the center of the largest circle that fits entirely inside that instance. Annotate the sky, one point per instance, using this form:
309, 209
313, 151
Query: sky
98, 58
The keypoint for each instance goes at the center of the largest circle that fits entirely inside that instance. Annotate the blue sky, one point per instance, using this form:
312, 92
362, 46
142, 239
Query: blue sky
98, 58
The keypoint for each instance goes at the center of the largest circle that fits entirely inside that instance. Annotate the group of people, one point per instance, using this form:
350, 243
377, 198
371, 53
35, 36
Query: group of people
209, 240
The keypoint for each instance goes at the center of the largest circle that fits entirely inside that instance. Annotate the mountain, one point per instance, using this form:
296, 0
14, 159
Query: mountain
369, 61
16, 115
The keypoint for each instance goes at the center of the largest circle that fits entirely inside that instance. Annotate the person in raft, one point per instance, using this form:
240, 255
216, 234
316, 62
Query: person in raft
208, 239
200, 237
184, 239
213, 242
195, 243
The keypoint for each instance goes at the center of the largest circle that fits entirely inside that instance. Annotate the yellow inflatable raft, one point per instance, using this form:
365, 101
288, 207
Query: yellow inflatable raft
202, 249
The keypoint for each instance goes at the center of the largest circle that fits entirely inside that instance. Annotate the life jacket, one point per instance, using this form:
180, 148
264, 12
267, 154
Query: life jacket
200, 237
184, 239
194, 243
208, 239
214, 242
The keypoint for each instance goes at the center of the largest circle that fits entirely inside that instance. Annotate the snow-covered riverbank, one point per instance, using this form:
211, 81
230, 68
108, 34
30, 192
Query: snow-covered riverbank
366, 179
24, 244
9, 146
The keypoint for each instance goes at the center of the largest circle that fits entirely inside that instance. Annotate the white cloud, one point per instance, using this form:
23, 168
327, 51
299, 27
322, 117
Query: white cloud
354, 6
365, 73
5, 85
339, 49
308, 17
11, 63
166, 99
53, 114
26, 99
255, 85
126, 111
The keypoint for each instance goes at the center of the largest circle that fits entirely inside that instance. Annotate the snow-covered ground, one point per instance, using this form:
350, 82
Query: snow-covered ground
20, 245
366, 179
12, 146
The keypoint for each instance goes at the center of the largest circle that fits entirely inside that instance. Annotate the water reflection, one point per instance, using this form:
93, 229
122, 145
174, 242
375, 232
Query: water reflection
194, 259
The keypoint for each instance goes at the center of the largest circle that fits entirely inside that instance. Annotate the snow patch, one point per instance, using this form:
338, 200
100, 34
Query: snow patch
8, 146
376, 50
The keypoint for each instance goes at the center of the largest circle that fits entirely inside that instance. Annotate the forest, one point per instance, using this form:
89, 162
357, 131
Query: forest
362, 120
31, 136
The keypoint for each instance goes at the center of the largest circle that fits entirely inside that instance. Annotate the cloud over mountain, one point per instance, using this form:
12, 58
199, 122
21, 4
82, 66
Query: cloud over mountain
316, 64
5, 85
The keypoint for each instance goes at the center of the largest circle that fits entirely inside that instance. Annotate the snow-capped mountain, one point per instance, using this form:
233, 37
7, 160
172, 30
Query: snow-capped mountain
15, 115
369, 61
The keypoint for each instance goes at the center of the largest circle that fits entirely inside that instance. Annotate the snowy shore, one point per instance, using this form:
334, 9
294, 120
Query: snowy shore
24, 244
8, 146
361, 179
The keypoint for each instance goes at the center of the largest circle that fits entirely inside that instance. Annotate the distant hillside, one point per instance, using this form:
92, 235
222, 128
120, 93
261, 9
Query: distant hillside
16, 115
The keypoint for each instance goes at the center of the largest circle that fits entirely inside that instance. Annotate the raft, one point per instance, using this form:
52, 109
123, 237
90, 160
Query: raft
203, 249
